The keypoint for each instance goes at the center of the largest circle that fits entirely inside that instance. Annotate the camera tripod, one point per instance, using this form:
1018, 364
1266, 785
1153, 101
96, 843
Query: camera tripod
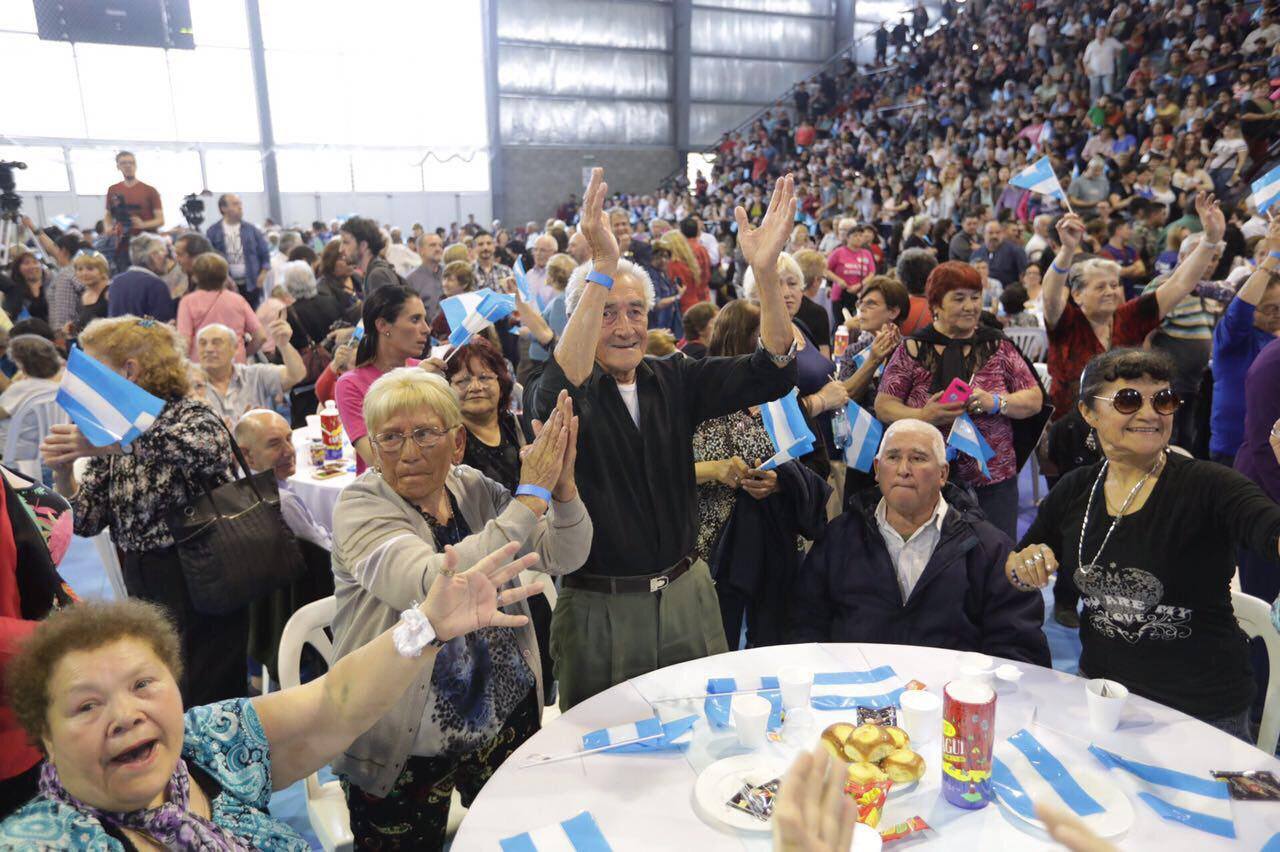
10, 236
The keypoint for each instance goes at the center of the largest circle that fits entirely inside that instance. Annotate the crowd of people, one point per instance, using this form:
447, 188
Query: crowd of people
859, 243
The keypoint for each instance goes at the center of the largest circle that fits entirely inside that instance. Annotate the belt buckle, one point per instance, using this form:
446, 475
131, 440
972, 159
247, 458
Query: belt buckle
658, 583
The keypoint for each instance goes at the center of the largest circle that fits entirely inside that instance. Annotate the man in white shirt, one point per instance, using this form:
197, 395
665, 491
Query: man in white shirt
1099, 62
267, 442
543, 248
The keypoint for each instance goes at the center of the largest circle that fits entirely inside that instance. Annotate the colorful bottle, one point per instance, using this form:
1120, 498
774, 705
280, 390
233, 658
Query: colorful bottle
331, 430
842, 341
968, 737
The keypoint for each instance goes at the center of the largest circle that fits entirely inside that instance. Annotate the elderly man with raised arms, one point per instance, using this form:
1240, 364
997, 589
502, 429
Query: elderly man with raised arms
640, 602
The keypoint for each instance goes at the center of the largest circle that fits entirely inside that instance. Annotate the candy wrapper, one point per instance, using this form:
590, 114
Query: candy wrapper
870, 799
758, 800
913, 828
915, 684
883, 716
1253, 785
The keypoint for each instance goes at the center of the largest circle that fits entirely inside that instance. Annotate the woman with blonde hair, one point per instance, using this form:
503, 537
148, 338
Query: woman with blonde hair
683, 267
94, 275
132, 489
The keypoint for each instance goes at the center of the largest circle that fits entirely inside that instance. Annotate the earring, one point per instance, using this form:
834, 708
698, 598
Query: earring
1092, 440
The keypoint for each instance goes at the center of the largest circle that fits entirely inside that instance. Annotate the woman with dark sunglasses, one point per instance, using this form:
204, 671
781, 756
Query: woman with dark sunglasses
1150, 537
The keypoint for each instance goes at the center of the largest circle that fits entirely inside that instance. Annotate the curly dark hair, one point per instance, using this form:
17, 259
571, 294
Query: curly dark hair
364, 230
1123, 363
480, 349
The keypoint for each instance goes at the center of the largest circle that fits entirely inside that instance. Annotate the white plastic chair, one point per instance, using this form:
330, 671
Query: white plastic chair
1254, 616
105, 547
1032, 341
326, 806
45, 411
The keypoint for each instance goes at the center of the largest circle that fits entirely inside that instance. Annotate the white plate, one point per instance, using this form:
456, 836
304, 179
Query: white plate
1115, 819
720, 781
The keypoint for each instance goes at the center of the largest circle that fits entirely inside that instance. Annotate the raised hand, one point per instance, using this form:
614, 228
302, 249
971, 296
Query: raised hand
459, 603
1211, 217
280, 331
65, 443
1031, 567
812, 813
1273, 232
594, 223
761, 246
1071, 232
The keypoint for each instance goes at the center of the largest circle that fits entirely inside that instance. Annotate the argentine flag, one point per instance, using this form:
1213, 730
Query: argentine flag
106, 406
469, 313
579, 834
1192, 800
358, 333
1024, 772
785, 424
522, 284
877, 688
718, 705
1039, 177
865, 441
653, 734
1266, 190
966, 438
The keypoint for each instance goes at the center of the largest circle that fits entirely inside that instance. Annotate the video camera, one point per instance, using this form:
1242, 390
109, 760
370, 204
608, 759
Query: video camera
122, 213
193, 210
10, 201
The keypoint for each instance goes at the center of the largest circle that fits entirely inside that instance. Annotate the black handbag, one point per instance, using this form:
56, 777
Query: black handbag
233, 543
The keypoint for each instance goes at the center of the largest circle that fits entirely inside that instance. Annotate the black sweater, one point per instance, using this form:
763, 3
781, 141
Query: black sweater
1158, 615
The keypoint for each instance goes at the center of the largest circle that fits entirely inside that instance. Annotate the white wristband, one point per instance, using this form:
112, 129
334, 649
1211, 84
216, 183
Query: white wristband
413, 633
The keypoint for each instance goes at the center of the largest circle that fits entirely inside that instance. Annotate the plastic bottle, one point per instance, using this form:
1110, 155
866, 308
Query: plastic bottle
842, 341
331, 429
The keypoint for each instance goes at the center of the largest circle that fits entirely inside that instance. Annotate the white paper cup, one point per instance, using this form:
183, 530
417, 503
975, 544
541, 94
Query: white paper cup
921, 715
796, 684
313, 425
986, 677
798, 725
1105, 710
978, 661
751, 719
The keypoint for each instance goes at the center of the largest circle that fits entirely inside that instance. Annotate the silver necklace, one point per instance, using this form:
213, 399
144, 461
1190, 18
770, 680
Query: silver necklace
1086, 568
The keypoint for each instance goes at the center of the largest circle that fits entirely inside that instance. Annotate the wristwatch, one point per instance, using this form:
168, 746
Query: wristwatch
780, 360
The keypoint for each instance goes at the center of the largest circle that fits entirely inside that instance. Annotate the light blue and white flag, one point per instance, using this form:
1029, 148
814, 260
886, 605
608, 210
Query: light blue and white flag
864, 442
719, 707
1196, 802
787, 429
1025, 772
1266, 190
358, 333
1040, 178
654, 733
522, 284
876, 688
105, 405
469, 313
966, 438
579, 834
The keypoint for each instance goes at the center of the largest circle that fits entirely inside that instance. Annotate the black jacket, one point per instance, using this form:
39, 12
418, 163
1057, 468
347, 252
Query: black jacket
847, 590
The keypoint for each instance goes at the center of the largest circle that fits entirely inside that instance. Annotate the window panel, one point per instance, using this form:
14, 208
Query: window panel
794, 7
298, 115
52, 106
46, 170
233, 171
18, 16
213, 95
386, 171
586, 22
314, 171
125, 91
219, 23
466, 172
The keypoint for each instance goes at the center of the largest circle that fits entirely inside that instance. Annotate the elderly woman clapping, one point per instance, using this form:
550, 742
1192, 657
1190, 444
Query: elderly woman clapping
95, 687
458, 722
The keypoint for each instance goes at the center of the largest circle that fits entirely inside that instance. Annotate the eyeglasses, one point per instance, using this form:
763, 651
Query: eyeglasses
468, 381
426, 437
1129, 401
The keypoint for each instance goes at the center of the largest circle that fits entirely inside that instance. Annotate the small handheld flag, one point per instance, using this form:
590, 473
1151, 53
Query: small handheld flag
522, 284
650, 734
787, 429
864, 442
106, 406
358, 333
579, 834
469, 313
966, 438
1040, 178
1266, 190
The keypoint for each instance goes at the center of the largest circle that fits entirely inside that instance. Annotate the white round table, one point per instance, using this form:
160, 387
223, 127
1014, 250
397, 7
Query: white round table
320, 495
645, 801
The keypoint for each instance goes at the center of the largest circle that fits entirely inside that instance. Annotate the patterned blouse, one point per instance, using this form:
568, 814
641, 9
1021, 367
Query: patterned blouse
739, 434
226, 742
185, 450
1003, 373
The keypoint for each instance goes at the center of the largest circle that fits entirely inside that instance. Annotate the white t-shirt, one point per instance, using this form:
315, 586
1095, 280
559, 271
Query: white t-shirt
1100, 56
235, 250
631, 399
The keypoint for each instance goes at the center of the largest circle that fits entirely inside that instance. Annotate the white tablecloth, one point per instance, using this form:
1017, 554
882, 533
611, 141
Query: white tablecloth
319, 495
644, 802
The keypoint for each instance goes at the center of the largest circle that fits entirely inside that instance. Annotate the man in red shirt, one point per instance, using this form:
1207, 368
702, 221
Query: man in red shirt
142, 202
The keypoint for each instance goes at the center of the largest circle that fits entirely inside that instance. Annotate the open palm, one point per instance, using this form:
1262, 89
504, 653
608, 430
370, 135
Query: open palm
461, 602
761, 246
594, 222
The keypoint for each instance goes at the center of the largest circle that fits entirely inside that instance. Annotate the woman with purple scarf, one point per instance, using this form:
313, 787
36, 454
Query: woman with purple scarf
96, 688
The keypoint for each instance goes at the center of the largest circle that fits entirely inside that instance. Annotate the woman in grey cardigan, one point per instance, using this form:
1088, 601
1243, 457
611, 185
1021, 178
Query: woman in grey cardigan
457, 724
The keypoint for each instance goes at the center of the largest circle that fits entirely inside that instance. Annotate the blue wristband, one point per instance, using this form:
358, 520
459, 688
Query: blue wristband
1053, 264
1274, 254
600, 278
995, 409
534, 491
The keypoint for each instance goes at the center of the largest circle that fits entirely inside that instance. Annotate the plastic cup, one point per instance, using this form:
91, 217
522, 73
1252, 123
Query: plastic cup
795, 683
751, 719
797, 726
1106, 700
921, 715
313, 425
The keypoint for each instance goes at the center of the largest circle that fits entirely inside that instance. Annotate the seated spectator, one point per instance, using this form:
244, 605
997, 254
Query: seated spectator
893, 568
1013, 309
339, 280
483, 696
93, 277
313, 312
39, 371
203, 779
232, 389
815, 306
209, 302
139, 290
267, 442
698, 322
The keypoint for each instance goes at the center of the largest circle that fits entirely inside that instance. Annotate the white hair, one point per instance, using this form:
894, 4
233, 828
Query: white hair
1085, 271
786, 263
578, 283
919, 427
217, 326
1188, 245
143, 246
289, 240
299, 279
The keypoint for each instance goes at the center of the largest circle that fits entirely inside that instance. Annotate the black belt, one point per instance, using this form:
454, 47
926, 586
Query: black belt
627, 585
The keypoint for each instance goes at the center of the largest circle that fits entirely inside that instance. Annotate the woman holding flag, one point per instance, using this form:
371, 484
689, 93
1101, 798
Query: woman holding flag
1001, 387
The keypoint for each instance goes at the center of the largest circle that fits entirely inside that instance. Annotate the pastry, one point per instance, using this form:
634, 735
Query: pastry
833, 739
869, 743
866, 773
903, 766
899, 736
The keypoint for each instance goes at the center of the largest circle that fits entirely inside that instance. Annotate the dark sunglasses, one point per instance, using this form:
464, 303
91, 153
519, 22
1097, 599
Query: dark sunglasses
1129, 401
